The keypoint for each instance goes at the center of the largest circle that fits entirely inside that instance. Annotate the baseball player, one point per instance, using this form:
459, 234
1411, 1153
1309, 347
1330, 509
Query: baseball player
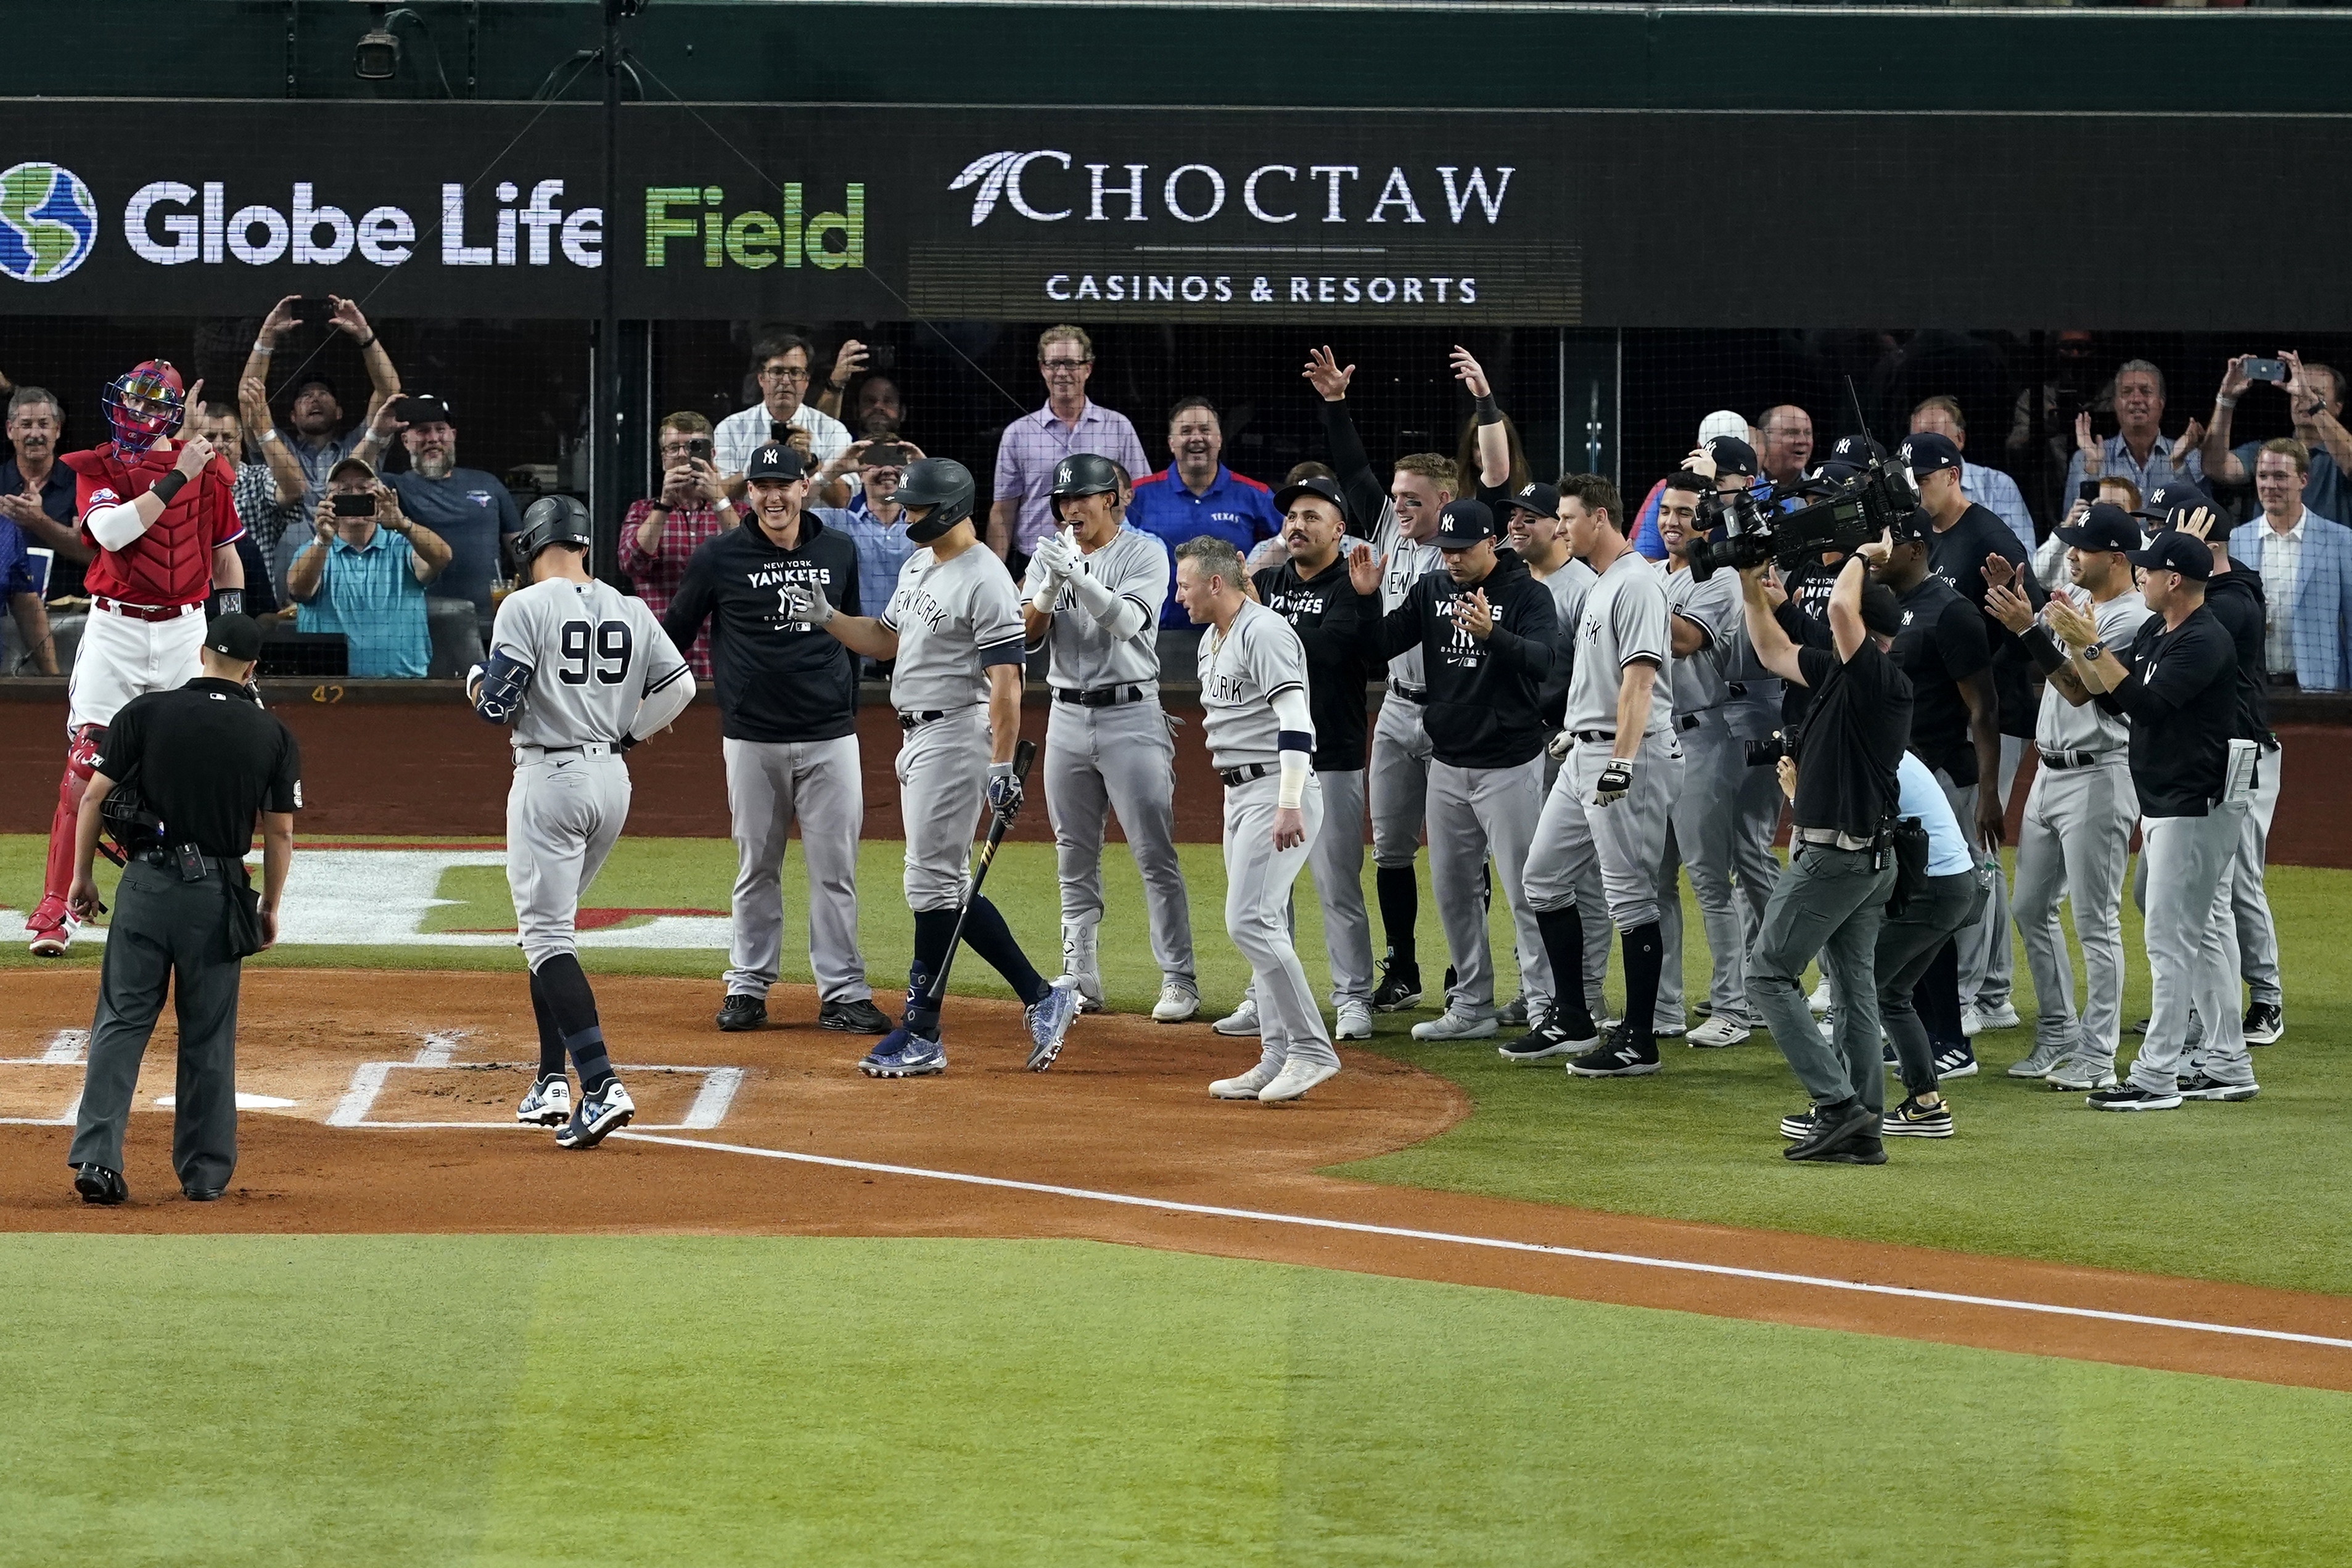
1403, 536
1091, 597
953, 626
581, 671
788, 716
2076, 837
1705, 619
1616, 791
1261, 735
166, 530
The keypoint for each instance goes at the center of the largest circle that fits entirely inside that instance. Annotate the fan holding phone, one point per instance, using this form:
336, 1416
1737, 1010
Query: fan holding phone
659, 534
364, 575
2314, 397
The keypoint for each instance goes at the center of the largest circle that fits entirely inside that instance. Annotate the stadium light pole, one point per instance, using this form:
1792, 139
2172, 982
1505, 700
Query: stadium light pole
604, 389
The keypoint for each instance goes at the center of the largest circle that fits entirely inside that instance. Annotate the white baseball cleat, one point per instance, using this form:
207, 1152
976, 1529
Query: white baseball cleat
1355, 1021
1245, 1086
1819, 1000
549, 1104
1451, 1025
1715, 1033
1242, 1020
1178, 1002
1295, 1079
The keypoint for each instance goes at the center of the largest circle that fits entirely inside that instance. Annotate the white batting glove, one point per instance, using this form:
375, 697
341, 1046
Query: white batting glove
1560, 745
806, 601
1058, 556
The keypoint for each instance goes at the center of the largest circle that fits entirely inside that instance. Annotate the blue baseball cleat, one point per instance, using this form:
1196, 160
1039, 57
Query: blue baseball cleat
904, 1054
1050, 1018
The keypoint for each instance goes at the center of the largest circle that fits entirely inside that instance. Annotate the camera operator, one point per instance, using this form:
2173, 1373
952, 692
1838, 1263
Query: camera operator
1833, 898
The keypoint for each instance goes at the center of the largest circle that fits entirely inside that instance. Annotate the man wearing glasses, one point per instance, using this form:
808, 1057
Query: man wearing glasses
661, 533
1034, 443
783, 364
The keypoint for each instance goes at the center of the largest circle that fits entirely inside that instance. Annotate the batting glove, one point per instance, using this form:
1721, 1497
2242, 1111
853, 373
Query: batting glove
1560, 745
1616, 780
806, 601
1004, 789
1057, 555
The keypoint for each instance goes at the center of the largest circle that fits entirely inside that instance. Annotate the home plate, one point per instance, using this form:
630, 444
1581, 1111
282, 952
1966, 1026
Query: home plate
243, 1103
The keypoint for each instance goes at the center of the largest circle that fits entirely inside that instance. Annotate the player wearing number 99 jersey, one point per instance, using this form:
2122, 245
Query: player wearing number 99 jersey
582, 673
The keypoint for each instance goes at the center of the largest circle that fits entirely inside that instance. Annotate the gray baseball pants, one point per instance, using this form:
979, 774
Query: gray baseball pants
1987, 966
2250, 905
942, 771
1099, 760
1830, 903
769, 786
1475, 813
1336, 859
564, 812
1627, 838
1399, 784
2192, 949
1592, 902
1701, 829
2074, 844
1258, 880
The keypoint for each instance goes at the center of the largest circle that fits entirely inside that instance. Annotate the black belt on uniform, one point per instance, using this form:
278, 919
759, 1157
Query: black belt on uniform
1099, 696
1255, 770
2065, 760
170, 861
1737, 689
1411, 693
1594, 734
916, 720
1682, 721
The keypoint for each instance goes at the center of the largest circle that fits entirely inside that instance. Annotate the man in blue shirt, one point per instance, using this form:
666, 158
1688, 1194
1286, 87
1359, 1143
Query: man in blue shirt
36, 491
1196, 494
466, 507
876, 523
365, 577
17, 574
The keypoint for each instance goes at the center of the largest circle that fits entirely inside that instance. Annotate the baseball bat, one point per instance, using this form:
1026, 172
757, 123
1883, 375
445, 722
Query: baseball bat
1024, 754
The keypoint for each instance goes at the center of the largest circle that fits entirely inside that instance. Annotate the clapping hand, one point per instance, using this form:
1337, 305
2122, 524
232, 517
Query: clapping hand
1323, 373
2074, 629
1364, 568
2005, 604
1472, 613
1059, 554
2190, 440
2198, 525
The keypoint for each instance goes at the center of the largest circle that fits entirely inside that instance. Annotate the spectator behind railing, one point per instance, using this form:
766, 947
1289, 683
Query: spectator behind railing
316, 410
2304, 560
468, 508
1034, 443
782, 364
1991, 488
2314, 396
364, 575
24, 603
36, 492
662, 532
2137, 450
1196, 494
1788, 450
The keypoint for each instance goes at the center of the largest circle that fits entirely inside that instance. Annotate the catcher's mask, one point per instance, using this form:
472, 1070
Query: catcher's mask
143, 406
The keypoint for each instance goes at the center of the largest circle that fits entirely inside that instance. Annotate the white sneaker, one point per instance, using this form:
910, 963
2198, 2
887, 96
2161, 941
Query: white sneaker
1355, 1021
1999, 1017
1295, 1079
1819, 1000
1717, 1033
1245, 1087
1078, 964
1178, 1002
1451, 1025
1242, 1020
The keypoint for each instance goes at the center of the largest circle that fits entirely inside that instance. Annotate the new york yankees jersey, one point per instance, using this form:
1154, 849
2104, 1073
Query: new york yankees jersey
1135, 566
1700, 682
594, 654
1406, 564
1624, 619
954, 619
2063, 726
1258, 658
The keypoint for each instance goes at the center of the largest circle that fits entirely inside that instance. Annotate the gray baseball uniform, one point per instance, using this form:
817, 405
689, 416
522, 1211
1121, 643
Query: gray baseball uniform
601, 669
1569, 585
954, 619
1107, 745
1624, 620
1398, 782
2073, 845
1704, 824
2250, 903
1258, 663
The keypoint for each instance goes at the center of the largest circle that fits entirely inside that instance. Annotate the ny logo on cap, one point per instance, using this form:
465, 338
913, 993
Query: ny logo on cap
1845, 445
771, 454
1527, 490
1904, 449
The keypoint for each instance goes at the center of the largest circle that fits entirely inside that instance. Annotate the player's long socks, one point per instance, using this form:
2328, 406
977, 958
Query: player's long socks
934, 929
1645, 960
1400, 895
985, 933
1563, 941
550, 1040
574, 1007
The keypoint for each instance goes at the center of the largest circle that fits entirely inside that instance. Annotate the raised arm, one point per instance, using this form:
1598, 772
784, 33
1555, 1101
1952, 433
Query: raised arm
1493, 439
1774, 650
1367, 497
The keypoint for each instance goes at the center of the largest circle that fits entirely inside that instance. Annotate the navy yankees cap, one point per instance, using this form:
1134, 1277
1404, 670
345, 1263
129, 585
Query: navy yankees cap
1732, 456
1328, 489
1463, 524
1855, 451
237, 637
2105, 527
2164, 504
1928, 452
775, 461
2173, 551
1541, 499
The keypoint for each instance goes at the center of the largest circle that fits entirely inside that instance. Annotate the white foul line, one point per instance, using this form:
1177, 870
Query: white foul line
1632, 1258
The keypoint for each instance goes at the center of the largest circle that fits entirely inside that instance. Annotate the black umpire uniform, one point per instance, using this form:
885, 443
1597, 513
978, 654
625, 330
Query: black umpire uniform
204, 761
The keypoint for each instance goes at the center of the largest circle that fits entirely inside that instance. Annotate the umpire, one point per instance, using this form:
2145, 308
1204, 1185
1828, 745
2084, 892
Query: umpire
194, 767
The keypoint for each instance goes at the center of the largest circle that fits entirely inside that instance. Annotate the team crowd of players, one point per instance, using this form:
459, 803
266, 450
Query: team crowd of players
1565, 721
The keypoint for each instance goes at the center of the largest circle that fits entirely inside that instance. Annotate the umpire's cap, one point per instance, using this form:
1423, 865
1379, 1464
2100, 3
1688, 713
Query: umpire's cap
943, 485
1084, 473
551, 520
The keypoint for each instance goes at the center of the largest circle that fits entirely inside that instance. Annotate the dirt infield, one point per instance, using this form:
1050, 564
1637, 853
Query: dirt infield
354, 1077
432, 768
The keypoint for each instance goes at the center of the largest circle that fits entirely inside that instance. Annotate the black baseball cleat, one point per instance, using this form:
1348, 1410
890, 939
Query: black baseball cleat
1399, 988
1556, 1036
741, 1011
852, 1018
98, 1184
2266, 1023
1623, 1055
1836, 1129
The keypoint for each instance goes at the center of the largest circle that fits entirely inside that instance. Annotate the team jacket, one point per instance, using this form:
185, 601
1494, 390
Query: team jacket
778, 680
171, 563
1328, 616
1484, 697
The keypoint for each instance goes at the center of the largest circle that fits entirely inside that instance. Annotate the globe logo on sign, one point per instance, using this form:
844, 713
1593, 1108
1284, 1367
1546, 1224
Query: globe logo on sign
48, 223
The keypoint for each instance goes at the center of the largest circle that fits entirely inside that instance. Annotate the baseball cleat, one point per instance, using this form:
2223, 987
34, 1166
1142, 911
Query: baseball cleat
53, 926
1555, 1036
1988, 1020
1716, 1033
1049, 1022
1451, 1025
1623, 1055
1513, 1014
740, 1011
1819, 1000
1912, 1119
100, 1185
1242, 1020
1353, 1021
549, 1104
1246, 1085
2037, 1063
608, 1110
1295, 1079
2198, 1086
904, 1054
1178, 1000
1399, 988
858, 1017
2078, 1075
2266, 1023
2132, 1097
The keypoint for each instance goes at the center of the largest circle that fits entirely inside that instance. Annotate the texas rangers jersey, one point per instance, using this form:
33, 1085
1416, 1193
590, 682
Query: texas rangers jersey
1257, 659
1624, 619
2063, 726
1699, 680
954, 619
171, 563
1134, 565
595, 653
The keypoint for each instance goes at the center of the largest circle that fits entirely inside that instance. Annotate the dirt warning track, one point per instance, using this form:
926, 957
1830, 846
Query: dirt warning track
380, 1101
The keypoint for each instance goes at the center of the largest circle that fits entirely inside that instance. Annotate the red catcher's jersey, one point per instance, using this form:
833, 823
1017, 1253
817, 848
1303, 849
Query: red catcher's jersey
172, 563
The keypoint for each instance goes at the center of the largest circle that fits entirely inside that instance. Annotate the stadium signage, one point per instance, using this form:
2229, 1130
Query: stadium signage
1269, 195
170, 223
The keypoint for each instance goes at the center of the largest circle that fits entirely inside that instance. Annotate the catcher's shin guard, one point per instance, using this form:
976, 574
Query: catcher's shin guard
81, 761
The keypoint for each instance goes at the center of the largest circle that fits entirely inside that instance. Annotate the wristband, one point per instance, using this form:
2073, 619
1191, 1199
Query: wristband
2221, 402
837, 386
1490, 413
368, 342
263, 349
166, 487
268, 435
2044, 649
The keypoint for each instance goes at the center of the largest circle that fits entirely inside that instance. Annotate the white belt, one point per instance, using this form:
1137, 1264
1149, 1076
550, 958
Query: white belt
528, 754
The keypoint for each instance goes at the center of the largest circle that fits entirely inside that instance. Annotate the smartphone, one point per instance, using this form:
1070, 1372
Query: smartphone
699, 447
349, 505
2266, 369
314, 308
883, 455
779, 432
881, 358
